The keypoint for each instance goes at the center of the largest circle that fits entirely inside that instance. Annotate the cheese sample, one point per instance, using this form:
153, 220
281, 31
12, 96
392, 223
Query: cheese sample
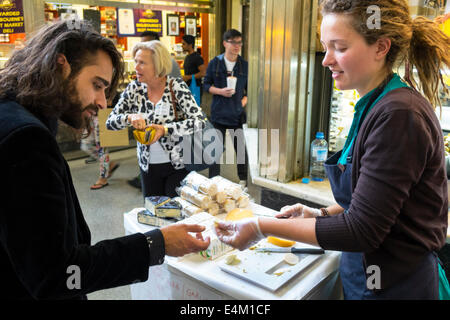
238, 214
291, 259
280, 242
170, 209
151, 203
232, 259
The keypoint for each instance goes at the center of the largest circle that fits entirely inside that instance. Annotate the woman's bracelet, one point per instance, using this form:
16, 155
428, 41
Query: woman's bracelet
325, 212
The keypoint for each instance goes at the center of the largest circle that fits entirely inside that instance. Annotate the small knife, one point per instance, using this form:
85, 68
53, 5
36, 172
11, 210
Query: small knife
292, 250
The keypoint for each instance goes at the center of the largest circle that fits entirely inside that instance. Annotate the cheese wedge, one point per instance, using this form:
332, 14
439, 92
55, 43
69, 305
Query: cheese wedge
238, 214
280, 242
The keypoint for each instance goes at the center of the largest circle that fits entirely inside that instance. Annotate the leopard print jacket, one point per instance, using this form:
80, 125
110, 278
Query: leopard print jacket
134, 100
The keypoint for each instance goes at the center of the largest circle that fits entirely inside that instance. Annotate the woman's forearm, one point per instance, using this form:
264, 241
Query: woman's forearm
301, 230
335, 209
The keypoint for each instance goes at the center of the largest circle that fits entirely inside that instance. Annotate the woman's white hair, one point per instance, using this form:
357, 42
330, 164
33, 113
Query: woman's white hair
162, 61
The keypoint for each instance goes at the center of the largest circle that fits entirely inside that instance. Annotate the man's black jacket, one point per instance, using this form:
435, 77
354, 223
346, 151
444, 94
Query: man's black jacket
42, 229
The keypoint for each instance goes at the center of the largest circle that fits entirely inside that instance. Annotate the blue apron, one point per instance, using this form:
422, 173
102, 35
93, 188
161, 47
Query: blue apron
422, 284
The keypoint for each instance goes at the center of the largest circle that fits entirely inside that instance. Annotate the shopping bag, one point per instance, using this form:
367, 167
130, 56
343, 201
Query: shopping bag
204, 147
110, 138
195, 90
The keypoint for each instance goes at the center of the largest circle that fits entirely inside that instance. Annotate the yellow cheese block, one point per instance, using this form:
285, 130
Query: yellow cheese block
280, 242
238, 214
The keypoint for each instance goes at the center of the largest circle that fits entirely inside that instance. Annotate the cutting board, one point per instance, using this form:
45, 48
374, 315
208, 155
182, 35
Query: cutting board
267, 269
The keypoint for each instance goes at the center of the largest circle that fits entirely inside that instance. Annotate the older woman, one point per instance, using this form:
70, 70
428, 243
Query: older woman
148, 101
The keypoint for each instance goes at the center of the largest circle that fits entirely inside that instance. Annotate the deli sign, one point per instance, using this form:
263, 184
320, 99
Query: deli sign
11, 16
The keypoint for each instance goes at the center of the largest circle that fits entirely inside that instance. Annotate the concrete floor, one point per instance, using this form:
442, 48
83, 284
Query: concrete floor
103, 209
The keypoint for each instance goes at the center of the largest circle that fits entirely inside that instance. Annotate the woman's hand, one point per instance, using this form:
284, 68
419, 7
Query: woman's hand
137, 121
298, 210
240, 234
159, 132
293, 211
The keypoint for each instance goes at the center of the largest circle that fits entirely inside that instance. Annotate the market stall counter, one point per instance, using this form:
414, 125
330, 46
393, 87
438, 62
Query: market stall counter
195, 277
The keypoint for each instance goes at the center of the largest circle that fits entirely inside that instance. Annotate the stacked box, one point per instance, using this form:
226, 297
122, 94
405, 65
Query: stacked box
153, 202
146, 217
170, 209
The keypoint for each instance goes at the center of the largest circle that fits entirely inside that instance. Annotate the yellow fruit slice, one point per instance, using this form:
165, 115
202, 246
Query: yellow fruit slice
238, 214
280, 242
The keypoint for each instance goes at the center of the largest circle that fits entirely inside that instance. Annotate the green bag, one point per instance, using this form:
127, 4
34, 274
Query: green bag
444, 287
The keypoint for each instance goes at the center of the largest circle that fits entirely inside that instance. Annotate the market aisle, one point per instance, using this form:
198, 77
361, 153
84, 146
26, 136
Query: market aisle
103, 209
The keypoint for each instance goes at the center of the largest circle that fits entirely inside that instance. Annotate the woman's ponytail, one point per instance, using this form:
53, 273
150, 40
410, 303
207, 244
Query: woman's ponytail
429, 53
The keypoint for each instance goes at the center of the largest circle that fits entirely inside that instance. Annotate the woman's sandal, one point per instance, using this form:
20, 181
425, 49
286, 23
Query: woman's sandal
98, 186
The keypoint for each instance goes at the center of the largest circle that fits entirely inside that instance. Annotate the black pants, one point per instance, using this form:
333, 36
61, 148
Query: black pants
242, 168
161, 180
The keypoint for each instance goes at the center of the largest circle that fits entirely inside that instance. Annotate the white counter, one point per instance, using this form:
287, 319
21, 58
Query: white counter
194, 278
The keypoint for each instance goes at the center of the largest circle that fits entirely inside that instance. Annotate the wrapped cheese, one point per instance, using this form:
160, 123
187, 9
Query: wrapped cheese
221, 197
243, 201
214, 208
229, 205
187, 209
216, 247
232, 189
199, 199
200, 183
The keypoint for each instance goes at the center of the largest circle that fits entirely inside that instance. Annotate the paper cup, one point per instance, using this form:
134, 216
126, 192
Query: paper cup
231, 82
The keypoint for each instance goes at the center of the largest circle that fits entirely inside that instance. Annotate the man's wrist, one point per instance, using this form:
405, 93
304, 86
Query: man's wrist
157, 250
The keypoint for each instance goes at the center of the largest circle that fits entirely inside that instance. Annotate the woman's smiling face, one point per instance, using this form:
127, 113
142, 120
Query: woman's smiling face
354, 63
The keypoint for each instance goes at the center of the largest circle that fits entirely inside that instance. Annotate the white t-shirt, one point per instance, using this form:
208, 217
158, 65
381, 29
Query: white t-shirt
230, 65
157, 154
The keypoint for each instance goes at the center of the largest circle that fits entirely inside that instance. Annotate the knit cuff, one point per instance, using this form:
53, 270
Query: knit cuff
334, 233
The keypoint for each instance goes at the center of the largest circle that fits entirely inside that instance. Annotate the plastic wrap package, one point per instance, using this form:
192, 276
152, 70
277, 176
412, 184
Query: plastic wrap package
199, 199
228, 205
214, 208
232, 189
221, 197
200, 183
216, 248
187, 209
243, 201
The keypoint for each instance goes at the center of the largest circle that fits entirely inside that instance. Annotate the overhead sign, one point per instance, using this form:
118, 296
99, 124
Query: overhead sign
132, 22
11, 16
148, 20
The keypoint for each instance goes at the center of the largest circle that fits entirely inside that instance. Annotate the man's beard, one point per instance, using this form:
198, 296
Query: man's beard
73, 110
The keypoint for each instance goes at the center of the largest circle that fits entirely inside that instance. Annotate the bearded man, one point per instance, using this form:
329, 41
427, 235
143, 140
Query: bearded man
65, 72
